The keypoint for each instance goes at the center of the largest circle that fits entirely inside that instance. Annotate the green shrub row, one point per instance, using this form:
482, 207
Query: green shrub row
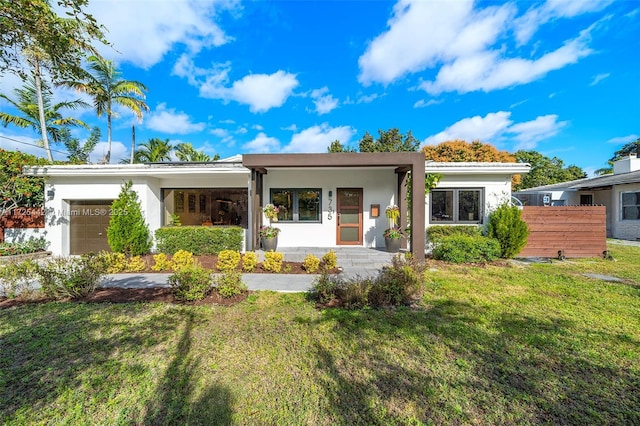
467, 249
198, 239
436, 233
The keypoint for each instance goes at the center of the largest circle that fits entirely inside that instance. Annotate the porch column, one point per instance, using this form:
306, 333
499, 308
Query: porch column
417, 207
403, 204
255, 193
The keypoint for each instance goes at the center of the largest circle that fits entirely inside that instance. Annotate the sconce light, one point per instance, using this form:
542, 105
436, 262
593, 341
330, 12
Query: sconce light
330, 193
51, 193
375, 210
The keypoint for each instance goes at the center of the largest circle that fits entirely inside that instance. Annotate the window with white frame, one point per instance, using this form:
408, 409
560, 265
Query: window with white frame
630, 205
298, 205
459, 205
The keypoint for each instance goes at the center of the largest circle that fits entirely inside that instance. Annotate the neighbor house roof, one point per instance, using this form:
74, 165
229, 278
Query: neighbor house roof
589, 183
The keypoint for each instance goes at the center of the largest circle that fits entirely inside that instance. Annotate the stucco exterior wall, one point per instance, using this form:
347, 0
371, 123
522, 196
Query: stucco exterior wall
149, 191
497, 190
623, 229
378, 187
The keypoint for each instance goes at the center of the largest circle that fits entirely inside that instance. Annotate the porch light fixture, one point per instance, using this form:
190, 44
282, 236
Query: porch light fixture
375, 210
51, 193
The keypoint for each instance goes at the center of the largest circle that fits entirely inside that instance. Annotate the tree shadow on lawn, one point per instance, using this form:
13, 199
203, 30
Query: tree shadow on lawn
89, 351
172, 403
463, 365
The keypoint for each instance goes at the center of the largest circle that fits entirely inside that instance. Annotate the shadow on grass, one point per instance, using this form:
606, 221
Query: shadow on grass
54, 350
468, 365
172, 403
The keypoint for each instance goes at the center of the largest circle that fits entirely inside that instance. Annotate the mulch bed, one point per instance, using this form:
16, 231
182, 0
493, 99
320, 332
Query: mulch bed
128, 295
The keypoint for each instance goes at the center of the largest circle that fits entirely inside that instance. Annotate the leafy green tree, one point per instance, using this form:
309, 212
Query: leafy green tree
460, 151
389, 141
26, 103
186, 152
17, 189
34, 38
545, 170
63, 39
155, 150
79, 152
625, 151
104, 85
128, 232
336, 146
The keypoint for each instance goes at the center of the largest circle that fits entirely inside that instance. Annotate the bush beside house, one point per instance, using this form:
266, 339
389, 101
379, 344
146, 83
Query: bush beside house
128, 232
198, 240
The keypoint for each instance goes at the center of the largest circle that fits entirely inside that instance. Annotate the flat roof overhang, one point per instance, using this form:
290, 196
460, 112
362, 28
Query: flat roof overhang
338, 159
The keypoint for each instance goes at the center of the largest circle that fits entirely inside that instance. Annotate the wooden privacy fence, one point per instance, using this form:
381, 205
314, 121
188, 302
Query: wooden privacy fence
21, 218
579, 231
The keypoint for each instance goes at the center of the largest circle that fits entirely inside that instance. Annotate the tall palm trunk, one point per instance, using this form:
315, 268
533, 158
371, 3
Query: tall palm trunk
43, 123
108, 156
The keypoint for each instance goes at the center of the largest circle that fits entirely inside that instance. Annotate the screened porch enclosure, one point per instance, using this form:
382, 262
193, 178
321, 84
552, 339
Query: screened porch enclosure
206, 206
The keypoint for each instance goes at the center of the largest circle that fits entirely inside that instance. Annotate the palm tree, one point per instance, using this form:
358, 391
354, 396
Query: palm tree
27, 103
186, 152
153, 151
104, 85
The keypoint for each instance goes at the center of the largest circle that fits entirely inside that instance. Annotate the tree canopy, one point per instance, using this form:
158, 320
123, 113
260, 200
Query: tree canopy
186, 152
104, 85
16, 189
461, 151
545, 170
26, 25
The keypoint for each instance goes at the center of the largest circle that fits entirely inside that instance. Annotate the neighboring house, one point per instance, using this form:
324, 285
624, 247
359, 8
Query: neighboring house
326, 200
618, 192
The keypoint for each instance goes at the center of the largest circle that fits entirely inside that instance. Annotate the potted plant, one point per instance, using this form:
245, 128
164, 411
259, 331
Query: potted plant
392, 234
269, 237
269, 234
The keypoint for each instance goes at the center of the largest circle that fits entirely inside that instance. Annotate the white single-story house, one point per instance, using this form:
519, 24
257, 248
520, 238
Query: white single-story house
618, 192
325, 200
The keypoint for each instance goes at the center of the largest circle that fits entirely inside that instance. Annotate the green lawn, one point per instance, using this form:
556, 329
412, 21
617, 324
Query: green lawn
493, 345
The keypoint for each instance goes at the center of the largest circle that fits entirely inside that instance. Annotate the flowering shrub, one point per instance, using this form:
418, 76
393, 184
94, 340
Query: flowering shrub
393, 233
249, 261
273, 261
182, 259
228, 260
161, 262
268, 231
311, 263
330, 260
271, 212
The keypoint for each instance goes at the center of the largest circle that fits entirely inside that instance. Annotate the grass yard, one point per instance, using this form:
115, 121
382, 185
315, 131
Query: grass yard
536, 344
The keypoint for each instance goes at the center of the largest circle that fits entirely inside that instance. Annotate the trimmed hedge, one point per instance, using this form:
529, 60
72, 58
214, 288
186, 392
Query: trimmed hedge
198, 239
466, 249
437, 232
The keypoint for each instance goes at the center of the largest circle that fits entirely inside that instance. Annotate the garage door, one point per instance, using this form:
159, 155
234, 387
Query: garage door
89, 221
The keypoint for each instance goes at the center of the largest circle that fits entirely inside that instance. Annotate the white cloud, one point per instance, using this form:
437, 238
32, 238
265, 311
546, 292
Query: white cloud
260, 91
167, 120
262, 144
323, 100
498, 126
526, 25
529, 133
623, 139
487, 70
598, 78
422, 103
318, 138
366, 99
465, 44
221, 133
291, 128
142, 32
118, 152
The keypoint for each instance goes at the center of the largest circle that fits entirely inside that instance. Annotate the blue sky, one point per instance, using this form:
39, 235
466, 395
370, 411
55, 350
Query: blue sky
232, 77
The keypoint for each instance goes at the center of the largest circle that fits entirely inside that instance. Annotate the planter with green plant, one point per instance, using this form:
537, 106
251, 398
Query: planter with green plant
269, 234
392, 235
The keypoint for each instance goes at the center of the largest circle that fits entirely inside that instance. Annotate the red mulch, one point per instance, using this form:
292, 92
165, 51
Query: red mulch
127, 295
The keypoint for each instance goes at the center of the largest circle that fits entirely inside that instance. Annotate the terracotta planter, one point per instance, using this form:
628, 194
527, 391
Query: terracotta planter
269, 244
392, 244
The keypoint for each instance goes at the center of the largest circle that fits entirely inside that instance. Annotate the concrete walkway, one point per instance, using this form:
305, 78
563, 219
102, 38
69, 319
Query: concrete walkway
354, 261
